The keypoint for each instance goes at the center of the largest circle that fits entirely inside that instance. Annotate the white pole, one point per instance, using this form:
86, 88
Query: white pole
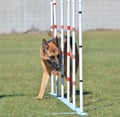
55, 20
51, 16
57, 85
55, 34
68, 50
80, 55
73, 55
51, 28
52, 82
62, 49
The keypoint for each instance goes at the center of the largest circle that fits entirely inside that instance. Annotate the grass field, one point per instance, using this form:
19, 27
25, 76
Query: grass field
20, 76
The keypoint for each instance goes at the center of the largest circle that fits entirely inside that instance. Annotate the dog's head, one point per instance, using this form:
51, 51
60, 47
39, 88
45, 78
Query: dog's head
52, 53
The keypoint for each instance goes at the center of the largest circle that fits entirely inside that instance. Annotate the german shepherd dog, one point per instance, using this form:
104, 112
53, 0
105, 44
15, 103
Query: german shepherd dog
50, 54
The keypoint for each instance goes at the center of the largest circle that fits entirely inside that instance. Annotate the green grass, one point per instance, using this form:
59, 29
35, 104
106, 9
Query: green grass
20, 76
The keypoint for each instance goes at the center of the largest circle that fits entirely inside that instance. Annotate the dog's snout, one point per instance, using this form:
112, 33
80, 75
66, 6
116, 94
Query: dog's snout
57, 66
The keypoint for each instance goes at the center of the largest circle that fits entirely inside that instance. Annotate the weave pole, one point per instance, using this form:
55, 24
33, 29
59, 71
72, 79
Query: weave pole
55, 34
68, 50
73, 55
51, 16
51, 29
57, 84
62, 49
80, 55
55, 20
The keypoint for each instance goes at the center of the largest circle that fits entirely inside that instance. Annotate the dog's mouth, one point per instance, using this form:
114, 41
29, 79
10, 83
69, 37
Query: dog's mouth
55, 66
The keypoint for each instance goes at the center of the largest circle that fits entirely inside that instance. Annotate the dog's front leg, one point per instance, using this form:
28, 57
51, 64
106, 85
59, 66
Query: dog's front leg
45, 80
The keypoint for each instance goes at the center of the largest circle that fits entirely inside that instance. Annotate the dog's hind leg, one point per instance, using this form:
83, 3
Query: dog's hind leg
45, 80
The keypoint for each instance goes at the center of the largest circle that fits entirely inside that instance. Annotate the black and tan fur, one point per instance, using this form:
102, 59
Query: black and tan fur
50, 54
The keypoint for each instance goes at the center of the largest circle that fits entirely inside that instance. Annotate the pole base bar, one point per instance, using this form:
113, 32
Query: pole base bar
62, 113
69, 104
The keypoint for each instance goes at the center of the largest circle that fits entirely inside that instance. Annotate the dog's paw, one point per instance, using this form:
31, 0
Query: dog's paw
39, 97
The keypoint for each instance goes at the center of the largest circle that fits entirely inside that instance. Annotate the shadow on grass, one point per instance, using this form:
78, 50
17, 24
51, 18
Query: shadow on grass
10, 95
84, 92
47, 96
78, 93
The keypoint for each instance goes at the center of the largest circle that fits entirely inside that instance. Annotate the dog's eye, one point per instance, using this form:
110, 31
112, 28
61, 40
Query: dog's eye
52, 57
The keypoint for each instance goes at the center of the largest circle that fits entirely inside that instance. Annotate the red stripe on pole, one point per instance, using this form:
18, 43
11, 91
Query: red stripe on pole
68, 53
56, 73
74, 83
68, 79
73, 56
55, 26
62, 26
68, 27
52, 72
73, 29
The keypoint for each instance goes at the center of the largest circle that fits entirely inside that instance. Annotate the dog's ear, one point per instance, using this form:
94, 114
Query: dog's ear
55, 41
44, 44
